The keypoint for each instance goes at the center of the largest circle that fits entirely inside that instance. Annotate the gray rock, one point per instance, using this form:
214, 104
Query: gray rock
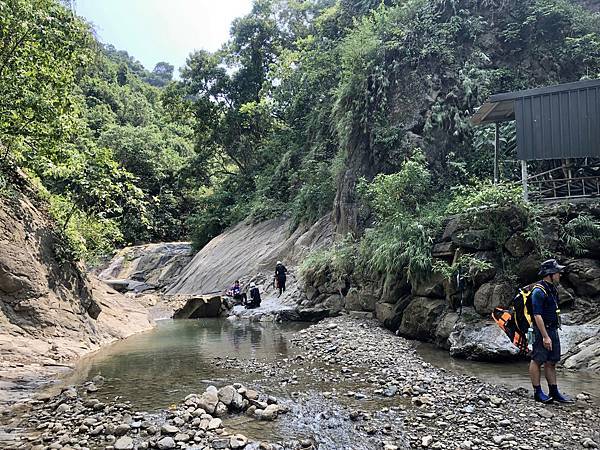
169, 429
220, 410
492, 295
353, 300
238, 441
226, 394
220, 443
421, 317
181, 437
208, 401
122, 429
214, 424
124, 443
480, 340
584, 275
166, 443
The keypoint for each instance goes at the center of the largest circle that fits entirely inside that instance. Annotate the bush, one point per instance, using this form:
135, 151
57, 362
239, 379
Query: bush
86, 237
335, 263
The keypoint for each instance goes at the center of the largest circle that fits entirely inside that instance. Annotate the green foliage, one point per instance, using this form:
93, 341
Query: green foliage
87, 237
484, 194
466, 263
335, 263
579, 232
407, 218
42, 48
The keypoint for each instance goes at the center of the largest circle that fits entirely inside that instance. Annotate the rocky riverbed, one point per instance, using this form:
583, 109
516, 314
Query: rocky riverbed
348, 384
76, 419
399, 401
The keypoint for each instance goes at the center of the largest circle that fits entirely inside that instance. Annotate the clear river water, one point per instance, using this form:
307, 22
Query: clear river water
158, 368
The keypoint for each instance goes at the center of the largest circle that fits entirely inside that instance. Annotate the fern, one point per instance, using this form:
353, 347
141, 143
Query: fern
579, 232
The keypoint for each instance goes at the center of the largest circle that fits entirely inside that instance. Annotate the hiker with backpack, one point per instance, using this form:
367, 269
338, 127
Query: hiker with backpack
546, 342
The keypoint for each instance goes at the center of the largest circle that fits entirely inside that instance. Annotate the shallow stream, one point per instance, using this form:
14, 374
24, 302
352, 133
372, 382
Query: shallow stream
159, 368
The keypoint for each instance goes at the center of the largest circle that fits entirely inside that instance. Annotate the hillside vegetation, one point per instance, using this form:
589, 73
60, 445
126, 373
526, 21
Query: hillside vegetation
358, 107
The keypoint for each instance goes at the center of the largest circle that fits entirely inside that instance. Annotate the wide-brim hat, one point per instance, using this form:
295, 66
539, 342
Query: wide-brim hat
550, 267
252, 285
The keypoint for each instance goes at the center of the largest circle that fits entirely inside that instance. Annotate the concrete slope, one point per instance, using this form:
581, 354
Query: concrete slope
248, 251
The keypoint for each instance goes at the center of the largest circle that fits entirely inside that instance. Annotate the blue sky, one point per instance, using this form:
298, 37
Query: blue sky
162, 30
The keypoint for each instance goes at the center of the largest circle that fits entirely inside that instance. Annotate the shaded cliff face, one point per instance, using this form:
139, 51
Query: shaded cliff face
49, 310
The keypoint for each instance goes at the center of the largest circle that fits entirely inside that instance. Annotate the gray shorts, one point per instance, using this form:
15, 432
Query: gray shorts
540, 354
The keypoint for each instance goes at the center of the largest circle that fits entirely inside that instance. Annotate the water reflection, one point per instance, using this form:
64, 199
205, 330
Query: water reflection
510, 374
158, 368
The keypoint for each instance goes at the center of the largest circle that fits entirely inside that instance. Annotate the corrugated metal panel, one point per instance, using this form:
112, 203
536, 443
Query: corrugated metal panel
559, 124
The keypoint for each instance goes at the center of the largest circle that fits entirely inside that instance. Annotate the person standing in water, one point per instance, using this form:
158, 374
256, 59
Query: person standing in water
280, 277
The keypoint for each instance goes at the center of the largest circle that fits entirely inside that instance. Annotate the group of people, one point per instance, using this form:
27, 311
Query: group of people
237, 294
546, 323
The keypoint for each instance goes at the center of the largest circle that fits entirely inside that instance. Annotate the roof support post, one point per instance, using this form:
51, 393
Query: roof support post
496, 150
524, 179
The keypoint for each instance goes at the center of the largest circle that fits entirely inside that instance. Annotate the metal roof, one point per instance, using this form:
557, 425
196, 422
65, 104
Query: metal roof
553, 122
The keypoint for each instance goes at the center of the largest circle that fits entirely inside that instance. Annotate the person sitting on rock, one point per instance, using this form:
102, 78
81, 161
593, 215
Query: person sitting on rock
254, 297
546, 323
280, 277
236, 293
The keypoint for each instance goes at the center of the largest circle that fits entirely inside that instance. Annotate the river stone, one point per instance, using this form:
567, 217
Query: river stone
122, 429
169, 429
166, 443
124, 443
238, 441
214, 424
208, 401
226, 395
182, 437
251, 394
220, 410
220, 443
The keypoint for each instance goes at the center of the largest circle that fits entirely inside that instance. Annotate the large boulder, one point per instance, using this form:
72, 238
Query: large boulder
528, 267
492, 295
420, 318
445, 328
480, 339
200, 307
353, 300
369, 295
395, 286
473, 240
148, 266
584, 275
584, 356
518, 246
432, 286
385, 312
573, 335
